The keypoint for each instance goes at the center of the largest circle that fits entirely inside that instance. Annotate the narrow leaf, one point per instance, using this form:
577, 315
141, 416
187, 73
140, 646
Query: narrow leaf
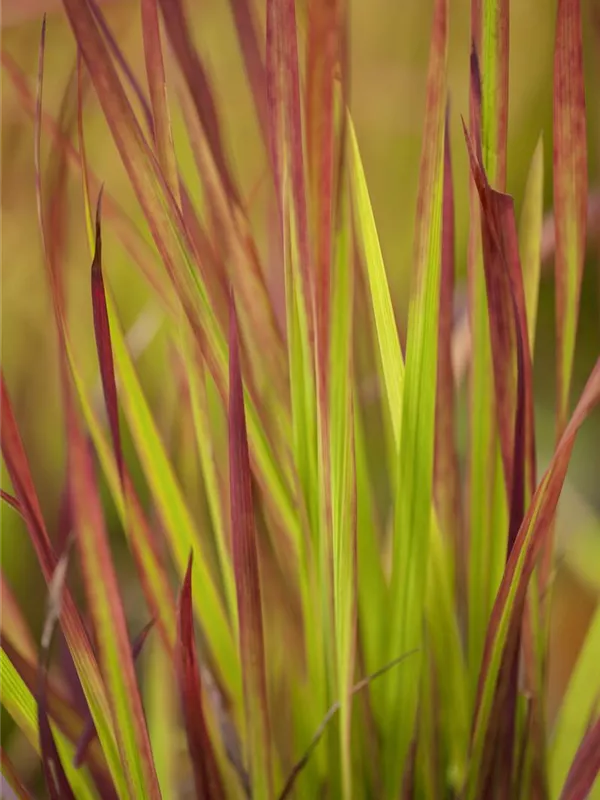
103, 346
585, 767
530, 238
577, 708
10, 781
245, 562
446, 477
414, 488
206, 772
107, 613
155, 70
508, 609
570, 191
57, 782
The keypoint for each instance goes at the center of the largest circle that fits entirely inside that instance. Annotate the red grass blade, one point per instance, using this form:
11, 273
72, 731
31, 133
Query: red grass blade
505, 623
103, 346
247, 579
132, 240
285, 137
570, 178
446, 475
570, 191
11, 501
57, 782
155, 70
585, 767
13, 623
89, 733
323, 58
245, 24
20, 475
106, 609
206, 771
11, 786
513, 380
513, 374
199, 85
60, 708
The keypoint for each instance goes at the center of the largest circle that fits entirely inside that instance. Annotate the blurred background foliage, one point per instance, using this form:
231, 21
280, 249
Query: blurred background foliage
389, 48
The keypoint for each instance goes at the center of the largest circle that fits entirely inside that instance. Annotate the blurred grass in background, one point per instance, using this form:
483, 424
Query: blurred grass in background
389, 50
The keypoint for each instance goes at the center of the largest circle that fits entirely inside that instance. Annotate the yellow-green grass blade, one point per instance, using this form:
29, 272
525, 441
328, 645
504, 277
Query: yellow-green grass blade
372, 587
287, 155
530, 238
171, 506
10, 780
161, 710
22, 707
58, 706
578, 709
506, 618
196, 378
343, 490
13, 623
488, 507
173, 242
391, 361
414, 489
447, 649
71, 623
157, 83
108, 616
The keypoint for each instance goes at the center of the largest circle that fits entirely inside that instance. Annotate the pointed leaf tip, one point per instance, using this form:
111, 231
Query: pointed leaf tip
247, 578
206, 773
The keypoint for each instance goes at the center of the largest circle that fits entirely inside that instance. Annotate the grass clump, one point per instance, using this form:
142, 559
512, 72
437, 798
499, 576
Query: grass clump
307, 642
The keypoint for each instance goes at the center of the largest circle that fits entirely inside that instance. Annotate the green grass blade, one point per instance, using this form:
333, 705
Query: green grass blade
530, 238
488, 509
579, 706
391, 361
506, 619
108, 616
170, 503
22, 707
413, 498
10, 780
343, 492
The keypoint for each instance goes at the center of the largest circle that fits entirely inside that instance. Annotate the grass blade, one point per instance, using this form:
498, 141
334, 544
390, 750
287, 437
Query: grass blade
391, 361
343, 490
530, 238
507, 614
21, 705
157, 82
12, 622
579, 705
570, 191
103, 346
446, 476
206, 772
62, 713
77, 639
570, 180
56, 779
585, 768
109, 619
10, 781
413, 499
245, 562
